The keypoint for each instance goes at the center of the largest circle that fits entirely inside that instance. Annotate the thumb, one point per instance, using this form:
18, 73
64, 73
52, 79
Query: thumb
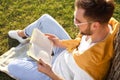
41, 62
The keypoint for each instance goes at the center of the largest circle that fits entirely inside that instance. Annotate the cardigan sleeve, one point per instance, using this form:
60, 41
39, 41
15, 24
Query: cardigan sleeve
72, 43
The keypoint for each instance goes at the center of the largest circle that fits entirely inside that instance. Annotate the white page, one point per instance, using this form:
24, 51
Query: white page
41, 47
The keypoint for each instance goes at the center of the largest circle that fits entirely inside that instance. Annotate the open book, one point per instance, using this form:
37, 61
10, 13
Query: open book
40, 47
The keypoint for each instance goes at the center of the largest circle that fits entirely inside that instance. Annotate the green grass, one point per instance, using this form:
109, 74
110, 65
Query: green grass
17, 14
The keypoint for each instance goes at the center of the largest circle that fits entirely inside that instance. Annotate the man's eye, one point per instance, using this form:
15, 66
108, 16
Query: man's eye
78, 21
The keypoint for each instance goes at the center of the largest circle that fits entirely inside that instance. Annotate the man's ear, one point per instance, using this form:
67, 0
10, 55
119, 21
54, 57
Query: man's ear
95, 25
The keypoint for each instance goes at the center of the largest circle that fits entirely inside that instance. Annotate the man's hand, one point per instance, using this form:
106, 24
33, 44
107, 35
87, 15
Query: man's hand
56, 41
46, 69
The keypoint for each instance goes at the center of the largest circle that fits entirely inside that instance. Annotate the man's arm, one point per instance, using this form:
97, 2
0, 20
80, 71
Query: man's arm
46, 69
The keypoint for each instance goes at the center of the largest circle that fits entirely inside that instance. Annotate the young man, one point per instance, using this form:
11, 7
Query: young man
85, 58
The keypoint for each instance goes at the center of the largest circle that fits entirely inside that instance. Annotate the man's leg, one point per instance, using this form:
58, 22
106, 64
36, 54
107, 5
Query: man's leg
47, 25
25, 70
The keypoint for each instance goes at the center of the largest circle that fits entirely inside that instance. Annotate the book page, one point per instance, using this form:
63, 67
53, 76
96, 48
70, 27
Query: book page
40, 47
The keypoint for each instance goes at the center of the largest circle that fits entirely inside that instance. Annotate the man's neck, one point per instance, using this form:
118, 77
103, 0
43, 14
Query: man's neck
100, 35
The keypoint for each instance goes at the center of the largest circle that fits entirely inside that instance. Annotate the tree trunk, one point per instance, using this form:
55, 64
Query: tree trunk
114, 72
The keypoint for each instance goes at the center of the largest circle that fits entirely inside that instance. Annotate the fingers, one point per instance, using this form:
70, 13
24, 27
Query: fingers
41, 62
50, 36
54, 39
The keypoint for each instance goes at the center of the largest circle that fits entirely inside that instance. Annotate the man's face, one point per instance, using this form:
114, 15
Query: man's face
83, 25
